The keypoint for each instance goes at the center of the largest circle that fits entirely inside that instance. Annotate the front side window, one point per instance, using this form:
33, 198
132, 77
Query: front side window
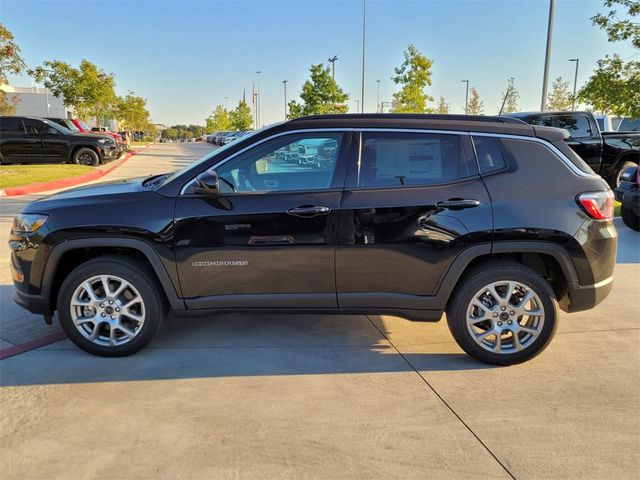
292, 162
414, 159
577, 125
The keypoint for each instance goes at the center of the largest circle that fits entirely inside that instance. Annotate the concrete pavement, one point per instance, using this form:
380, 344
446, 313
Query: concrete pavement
295, 396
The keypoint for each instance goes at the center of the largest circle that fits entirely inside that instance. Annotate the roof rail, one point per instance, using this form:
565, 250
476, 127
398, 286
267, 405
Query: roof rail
410, 116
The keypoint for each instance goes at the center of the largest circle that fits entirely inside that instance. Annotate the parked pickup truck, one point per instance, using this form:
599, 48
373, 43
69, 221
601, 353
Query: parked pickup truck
607, 153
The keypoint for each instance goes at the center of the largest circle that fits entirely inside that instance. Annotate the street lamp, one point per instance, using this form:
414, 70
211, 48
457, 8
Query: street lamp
364, 36
547, 57
284, 82
378, 97
575, 82
258, 100
332, 60
466, 96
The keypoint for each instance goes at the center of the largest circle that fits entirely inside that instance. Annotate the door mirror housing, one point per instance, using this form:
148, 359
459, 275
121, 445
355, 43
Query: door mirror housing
208, 184
52, 131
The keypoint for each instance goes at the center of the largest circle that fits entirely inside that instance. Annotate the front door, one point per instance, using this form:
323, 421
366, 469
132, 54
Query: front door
268, 240
412, 203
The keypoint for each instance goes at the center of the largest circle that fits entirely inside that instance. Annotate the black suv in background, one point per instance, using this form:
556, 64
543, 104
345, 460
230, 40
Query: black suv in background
607, 153
36, 140
494, 221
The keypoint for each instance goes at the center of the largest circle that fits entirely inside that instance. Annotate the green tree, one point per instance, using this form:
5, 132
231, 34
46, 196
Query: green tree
475, 106
219, 120
320, 95
617, 29
241, 117
442, 107
10, 63
614, 87
87, 89
413, 76
512, 96
171, 133
131, 112
560, 98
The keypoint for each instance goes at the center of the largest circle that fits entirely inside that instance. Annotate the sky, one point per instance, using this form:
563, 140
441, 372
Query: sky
186, 57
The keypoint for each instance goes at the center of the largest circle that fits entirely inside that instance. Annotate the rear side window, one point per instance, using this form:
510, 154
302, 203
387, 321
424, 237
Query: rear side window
577, 125
11, 126
490, 153
544, 121
35, 127
415, 159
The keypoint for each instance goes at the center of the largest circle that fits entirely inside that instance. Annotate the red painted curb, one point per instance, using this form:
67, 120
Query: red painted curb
32, 344
64, 182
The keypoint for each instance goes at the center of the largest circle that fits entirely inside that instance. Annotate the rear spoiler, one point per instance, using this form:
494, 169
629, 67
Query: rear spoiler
550, 134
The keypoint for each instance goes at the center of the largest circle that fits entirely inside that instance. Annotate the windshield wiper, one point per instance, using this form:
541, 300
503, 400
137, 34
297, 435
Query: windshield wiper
154, 180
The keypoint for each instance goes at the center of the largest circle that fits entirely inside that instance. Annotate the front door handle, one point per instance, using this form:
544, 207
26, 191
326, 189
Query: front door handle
309, 210
457, 204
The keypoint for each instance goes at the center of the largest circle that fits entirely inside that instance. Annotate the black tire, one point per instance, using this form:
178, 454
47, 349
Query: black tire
630, 219
86, 156
484, 275
615, 177
136, 274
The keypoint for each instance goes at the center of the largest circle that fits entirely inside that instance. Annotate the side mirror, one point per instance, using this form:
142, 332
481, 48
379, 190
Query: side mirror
208, 184
52, 131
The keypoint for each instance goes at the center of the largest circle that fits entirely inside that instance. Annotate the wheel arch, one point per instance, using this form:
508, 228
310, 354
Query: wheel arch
67, 255
632, 156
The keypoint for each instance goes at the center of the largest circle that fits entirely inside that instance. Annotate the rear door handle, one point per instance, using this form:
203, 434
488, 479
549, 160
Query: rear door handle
309, 210
458, 204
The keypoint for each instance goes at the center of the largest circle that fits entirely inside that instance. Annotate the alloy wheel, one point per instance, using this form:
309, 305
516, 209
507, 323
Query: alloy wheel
505, 317
107, 310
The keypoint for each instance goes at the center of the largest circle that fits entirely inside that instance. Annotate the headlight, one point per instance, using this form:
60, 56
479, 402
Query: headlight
28, 222
104, 141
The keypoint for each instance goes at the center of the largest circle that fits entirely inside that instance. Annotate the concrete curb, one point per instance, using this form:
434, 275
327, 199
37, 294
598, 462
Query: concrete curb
65, 182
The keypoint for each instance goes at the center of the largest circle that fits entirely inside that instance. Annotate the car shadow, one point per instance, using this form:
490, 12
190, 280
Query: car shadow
241, 345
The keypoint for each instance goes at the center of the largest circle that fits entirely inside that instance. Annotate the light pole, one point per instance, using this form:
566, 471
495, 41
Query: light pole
547, 57
364, 37
284, 82
378, 97
332, 60
575, 82
258, 100
466, 96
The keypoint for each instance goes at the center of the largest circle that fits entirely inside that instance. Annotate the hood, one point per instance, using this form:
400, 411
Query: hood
90, 194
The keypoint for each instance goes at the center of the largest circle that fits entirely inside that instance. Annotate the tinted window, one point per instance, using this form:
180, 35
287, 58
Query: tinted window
490, 153
629, 125
35, 127
543, 121
395, 159
577, 125
11, 126
292, 162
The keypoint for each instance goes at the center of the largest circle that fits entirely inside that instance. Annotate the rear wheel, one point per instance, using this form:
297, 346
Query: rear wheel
86, 156
615, 178
110, 306
503, 313
630, 219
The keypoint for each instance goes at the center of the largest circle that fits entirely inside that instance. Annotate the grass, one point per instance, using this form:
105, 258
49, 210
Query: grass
19, 175
616, 209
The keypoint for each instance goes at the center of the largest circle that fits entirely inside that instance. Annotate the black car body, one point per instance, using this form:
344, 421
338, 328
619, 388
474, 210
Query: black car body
67, 123
37, 140
607, 153
397, 215
628, 194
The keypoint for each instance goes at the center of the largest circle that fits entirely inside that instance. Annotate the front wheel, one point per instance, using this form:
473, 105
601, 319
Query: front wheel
110, 306
86, 156
503, 313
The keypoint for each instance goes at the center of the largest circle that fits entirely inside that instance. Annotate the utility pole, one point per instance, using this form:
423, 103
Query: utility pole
466, 97
332, 60
364, 37
547, 57
575, 82
284, 82
378, 97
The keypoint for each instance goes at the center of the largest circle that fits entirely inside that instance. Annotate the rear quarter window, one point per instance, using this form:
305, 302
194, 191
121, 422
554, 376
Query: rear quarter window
490, 153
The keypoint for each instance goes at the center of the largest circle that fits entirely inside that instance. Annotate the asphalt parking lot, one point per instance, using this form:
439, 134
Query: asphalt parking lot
303, 396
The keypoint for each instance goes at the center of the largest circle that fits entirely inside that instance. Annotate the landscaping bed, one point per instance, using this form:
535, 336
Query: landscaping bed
18, 175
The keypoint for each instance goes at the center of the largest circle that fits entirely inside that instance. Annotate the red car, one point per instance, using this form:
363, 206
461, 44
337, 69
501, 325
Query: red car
122, 145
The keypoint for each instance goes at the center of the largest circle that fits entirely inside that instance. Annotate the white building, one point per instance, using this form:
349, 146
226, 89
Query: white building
36, 102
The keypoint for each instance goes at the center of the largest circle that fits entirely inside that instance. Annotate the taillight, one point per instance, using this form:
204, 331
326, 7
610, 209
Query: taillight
598, 205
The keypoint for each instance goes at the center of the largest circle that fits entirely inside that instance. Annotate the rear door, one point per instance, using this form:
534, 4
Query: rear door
13, 144
412, 203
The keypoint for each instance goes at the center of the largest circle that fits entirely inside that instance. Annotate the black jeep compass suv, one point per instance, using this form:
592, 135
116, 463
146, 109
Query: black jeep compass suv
493, 221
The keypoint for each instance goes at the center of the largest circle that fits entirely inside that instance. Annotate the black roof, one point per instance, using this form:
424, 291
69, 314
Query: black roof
466, 123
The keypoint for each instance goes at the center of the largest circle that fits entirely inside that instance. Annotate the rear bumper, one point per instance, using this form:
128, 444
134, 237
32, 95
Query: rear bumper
585, 297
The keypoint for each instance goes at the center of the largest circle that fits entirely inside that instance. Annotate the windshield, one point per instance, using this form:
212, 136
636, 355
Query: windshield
58, 127
195, 166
